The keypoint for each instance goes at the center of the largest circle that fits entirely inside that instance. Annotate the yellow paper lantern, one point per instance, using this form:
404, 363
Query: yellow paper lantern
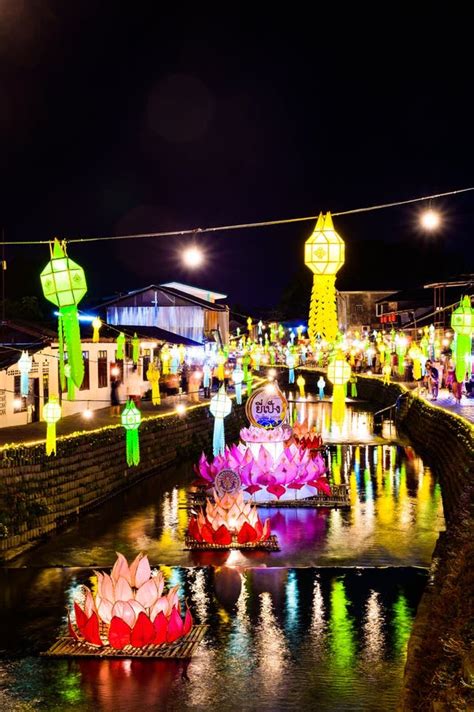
339, 373
324, 255
51, 414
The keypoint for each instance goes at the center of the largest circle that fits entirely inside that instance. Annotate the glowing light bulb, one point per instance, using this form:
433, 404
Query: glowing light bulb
115, 371
180, 409
17, 403
193, 257
87, 414
271, 374
430, 220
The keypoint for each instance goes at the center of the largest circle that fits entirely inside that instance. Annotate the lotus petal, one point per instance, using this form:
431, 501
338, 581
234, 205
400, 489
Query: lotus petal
119, 633
143, 632
81, 618
71, 630
123, 610
123, 590
172, 597
266, 530
104, 610
296, 485
258, 528
188, 622
146, 594
277, 490
160, 624
159, 583
246, 534
89, 604
175, 627
207, 534
222, 536
137, 608
160, 606
107, 588
120, 569
251, 489
193, 529
91, 630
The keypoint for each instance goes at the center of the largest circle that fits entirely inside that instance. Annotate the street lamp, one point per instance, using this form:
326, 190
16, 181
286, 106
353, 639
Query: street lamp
193, 256
430, 220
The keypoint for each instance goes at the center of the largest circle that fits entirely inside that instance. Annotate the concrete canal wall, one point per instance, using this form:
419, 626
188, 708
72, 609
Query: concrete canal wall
439, 673
44, 493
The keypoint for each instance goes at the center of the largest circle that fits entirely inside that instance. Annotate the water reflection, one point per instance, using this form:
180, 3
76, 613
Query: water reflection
357, 426
277, 639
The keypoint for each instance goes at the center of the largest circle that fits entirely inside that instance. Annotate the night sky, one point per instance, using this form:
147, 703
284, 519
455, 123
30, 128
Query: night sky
130, 120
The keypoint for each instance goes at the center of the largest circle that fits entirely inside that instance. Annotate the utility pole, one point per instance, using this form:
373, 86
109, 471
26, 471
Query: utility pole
4, 268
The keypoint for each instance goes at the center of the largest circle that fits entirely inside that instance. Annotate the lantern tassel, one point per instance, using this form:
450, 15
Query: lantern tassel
218, 441
71, 390
72, 337
133, 447
155, 393
238, 393
24, 384
322, 312
463, 349
338, 404
62, 376
51, 439
291, 376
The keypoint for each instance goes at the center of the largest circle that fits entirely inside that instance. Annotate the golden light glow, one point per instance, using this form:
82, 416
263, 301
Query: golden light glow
87, 414
180, 409
193, 256
430, 220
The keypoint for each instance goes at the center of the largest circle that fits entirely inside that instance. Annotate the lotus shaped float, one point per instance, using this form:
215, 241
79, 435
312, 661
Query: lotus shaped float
294, 469
229, 518
306, 437
254, 434
129, 608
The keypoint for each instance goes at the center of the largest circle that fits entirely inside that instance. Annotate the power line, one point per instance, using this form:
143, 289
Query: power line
242, 226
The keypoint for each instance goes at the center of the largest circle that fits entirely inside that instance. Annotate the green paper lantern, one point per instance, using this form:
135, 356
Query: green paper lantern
64, 284
462, 323
51, 415
135, 348
131, 419
120, 346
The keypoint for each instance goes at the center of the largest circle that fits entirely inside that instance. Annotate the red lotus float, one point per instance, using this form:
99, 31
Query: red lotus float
129, 608
306, 437
229, 520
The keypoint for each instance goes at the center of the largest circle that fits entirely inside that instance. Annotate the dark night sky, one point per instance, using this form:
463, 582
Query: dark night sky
133, 120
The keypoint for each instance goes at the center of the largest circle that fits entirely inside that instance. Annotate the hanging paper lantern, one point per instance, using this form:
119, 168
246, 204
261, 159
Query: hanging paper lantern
387, 372
339, 373
220, 407
64, 284
131, 419
353, 382
290, 362
51, 415
416, 356
165, 357
401, 344
24, 366
120, 346
96, 324
153, 377
321, 386
462, 323
238, 377
324, 255
249, 324
135, 348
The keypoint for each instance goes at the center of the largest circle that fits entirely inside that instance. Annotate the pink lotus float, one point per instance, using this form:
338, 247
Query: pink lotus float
129, 608
229, 521
265, 476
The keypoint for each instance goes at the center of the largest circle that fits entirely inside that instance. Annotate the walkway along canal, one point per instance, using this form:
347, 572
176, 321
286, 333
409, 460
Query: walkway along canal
357, 621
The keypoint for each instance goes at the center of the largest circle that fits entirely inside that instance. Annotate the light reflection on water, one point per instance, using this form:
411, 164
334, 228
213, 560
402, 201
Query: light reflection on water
278, 639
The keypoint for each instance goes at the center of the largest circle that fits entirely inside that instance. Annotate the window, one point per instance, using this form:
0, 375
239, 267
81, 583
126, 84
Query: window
358, 308
86, 381
45, 387
19, 403
102, 369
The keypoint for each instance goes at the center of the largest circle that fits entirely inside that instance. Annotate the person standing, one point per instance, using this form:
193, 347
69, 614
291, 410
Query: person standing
115, 397
134, 387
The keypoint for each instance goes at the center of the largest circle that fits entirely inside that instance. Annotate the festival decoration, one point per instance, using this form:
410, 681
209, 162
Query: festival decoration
165, 357
401, 344
321, 386
353, 382
462, 323
221, 406
229, 520
131, 419
339, 373
135, 348
300, 382
51, 415
220, 372
238, 377
324, 255
387, 372
265, 476
153, 378
249, 384
307, 437
120, 340
71, 389
260, 327
96, 324
249, 325
129, 608
182, 353
24, 366
267, 407
64, 284
418, 359
290, 362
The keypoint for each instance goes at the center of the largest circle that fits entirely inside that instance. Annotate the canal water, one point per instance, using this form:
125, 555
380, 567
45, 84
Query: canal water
322, 624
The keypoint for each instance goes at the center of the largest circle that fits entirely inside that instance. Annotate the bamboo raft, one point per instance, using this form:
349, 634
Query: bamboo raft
338, 499
67, 647
271, 544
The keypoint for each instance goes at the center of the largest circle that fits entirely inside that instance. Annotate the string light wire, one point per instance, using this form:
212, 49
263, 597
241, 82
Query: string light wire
243, 226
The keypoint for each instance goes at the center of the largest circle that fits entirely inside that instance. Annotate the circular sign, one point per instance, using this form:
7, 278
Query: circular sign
227, 482
267, 407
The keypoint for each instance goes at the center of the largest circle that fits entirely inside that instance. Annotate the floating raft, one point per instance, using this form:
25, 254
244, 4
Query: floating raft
339, 499
271, 544
67, 647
